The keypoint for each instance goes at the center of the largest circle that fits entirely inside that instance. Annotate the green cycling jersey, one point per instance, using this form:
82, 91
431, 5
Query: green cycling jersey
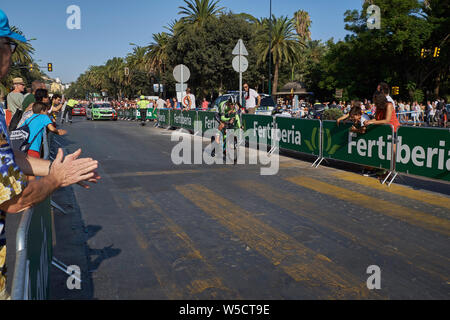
228, 112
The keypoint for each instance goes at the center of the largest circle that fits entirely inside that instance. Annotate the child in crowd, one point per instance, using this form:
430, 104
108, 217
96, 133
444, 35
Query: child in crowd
37, 123
357, 116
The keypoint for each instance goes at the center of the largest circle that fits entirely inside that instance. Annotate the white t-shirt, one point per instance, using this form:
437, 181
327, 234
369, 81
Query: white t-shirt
250, 98
160, 104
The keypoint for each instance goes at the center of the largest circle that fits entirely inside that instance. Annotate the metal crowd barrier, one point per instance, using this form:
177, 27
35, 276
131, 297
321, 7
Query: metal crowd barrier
34, 249
417, 151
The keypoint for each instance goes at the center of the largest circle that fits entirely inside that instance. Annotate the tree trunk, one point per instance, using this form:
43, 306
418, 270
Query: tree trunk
275, 79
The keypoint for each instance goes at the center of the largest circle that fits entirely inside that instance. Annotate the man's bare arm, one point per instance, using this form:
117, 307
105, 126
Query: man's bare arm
63, 172
35, 192
32, 166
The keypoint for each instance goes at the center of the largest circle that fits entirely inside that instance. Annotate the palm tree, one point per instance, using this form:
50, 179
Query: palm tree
23, 52
303, 25
115, 69
138, 60
157, 52
285, 45
198, 12
310, 55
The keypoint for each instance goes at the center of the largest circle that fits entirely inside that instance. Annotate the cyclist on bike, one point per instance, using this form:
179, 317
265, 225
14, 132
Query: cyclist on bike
143, 103
227, 117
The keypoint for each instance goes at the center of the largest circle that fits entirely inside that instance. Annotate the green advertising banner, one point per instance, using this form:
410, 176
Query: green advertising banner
163, 117
152, 115
299, 135
208, 121
39, 252
374, 148
184, 119
262, 125
424, 152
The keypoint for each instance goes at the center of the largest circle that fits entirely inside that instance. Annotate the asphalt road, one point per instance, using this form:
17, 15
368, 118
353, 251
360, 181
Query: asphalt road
154, 230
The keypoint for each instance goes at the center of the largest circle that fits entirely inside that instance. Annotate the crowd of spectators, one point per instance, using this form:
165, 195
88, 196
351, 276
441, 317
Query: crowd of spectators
431, 114
17, 191
188, 103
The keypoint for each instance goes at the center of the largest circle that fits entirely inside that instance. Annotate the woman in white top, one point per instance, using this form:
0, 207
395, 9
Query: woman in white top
407, 111
432, 113
415, 113
401, 112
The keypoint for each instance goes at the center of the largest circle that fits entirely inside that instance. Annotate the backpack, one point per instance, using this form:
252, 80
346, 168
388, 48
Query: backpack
15, 120
20, 137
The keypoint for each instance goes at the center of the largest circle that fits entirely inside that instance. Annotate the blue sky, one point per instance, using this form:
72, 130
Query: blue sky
108, 26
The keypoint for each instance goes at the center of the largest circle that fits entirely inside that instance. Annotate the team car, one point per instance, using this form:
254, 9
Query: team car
101, 111
79, 110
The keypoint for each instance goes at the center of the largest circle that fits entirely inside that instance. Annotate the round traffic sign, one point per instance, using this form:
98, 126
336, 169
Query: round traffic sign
240, 64
181, 73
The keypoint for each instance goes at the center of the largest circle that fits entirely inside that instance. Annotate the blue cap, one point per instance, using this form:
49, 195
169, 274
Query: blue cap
5, 30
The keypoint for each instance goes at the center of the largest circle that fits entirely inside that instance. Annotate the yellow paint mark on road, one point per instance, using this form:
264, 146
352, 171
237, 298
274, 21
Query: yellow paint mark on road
298, 261
176, 230
137, 204
355, 231
199, 284
163, 173
293, 165
435, 200
166, 280
381, 206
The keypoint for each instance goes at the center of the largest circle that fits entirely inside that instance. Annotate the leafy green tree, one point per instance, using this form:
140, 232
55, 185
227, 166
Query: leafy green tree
208, 54
390, 54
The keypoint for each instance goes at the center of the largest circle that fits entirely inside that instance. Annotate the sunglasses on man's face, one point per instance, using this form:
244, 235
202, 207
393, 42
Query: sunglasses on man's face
11, 44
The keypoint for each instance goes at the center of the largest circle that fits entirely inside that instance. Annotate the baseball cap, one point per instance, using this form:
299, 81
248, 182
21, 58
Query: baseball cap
5, 30
142, 97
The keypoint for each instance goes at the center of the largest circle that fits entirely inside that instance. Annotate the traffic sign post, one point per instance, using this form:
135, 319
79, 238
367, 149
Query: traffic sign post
240, 63
181, 74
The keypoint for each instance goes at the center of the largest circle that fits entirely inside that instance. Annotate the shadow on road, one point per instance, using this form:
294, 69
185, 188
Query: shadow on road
72, 248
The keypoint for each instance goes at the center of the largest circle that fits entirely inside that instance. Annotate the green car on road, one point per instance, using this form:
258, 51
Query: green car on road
100, 111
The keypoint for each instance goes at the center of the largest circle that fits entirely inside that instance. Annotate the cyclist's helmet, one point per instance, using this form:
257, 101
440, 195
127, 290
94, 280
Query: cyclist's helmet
231, 100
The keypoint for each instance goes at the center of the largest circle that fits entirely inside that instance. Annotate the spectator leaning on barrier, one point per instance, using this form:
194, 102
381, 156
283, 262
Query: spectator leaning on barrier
168, 104
37, 123
161, 104
16, 194
55, 107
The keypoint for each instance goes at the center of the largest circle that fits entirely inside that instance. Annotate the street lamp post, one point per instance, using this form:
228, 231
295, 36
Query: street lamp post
270, 49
